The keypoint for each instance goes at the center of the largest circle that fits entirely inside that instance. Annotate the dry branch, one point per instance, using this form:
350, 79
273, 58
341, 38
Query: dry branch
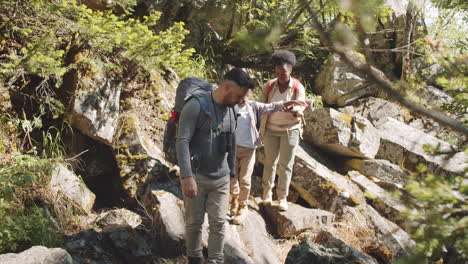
379, 78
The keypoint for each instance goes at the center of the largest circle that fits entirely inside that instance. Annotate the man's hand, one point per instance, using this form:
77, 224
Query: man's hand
292, 103
189, 187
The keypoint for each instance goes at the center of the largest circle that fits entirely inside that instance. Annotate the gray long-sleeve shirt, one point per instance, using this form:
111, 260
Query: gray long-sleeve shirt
255, 110
200, 146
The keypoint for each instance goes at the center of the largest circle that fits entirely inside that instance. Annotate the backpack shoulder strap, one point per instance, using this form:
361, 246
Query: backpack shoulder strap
270, 85
204, 104
236, 116
270, 88
203, 100
295, 86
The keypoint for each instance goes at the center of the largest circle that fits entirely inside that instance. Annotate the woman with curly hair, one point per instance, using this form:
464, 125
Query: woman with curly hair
281, 130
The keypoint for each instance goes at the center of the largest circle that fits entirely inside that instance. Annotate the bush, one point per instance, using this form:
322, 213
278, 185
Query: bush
49, 31
22, 228
438, 217
24, 223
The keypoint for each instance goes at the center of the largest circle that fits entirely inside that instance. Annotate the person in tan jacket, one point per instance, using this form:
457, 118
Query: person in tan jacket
282, 130
247, 140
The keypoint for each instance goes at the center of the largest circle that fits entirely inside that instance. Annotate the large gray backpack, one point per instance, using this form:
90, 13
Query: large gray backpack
188, 88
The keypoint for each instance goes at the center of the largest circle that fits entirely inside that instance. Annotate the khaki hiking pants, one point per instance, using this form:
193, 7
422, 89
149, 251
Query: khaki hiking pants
280, 144
212, 198
241, 182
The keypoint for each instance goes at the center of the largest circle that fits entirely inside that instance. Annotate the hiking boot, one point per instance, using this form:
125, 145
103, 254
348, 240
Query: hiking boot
267, 197
234, 204
194, 260
283, 204
241, 215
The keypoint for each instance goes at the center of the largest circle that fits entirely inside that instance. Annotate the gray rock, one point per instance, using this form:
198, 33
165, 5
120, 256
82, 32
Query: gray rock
375, 110
433, 97
341, 133
433, 128
387, 234
38, 254
66, 183
114, 245
167, 212
319, 186
403, 144
242, 243
139, 160
339, 84
131, 245
118, 217
328, 250
381, 200
382, 170
429, 71
259, 245
96, 111
297, 219
234, 248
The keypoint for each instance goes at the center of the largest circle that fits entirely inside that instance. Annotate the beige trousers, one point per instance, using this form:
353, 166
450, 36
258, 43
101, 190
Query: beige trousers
241, 182
212, 198
280, 144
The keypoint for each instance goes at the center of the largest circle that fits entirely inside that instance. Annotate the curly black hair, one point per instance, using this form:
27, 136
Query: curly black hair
240, 77
281, 57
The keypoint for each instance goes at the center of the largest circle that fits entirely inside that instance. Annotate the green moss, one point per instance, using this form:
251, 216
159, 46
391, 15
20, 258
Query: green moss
347, 118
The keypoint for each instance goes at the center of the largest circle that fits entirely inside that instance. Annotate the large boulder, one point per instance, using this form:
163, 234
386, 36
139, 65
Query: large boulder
431, 127
118, 217
393, 242
381, 200
319, 186
95, 109
297, 219
167, 214
339, 84
114, 245
38, 254
256, 240
405, 145
380, 171
65, 182
375, 110
341, 133
139, 159
327, 250
433, 97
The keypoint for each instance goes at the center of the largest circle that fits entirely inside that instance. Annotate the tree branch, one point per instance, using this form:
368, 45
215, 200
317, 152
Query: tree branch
379, 78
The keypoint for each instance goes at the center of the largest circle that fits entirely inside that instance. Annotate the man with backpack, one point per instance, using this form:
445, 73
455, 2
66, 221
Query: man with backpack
205, 150
281, 131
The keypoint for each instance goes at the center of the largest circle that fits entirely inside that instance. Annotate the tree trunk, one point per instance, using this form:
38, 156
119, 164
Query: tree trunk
409, 27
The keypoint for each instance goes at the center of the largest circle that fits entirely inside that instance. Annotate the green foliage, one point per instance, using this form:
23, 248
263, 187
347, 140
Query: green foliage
316, 100
437, 213
451, 4
24, 224
51, 29
22, 228
20, 174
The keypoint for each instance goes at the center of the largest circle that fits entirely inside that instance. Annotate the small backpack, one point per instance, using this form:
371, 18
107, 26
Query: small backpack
187, 89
